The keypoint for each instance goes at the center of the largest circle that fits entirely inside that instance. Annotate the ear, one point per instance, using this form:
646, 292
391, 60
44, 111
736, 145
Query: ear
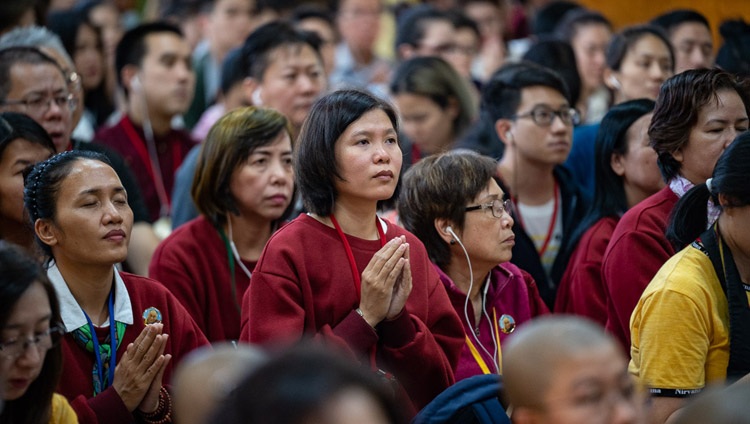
677, 155
46, 231
503, 129
441, 225
128, 73
724, 201
405, 51
452, 108
616, 162
249, 86
609, 77
524, 416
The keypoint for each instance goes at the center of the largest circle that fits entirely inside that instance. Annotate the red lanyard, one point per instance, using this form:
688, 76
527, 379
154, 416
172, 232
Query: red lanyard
552, 221
148, 161
355, 271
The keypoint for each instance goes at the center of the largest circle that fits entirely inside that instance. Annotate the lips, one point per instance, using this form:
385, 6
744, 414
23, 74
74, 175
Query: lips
19, 383
278, 199
115, 235
510, 240
384, 175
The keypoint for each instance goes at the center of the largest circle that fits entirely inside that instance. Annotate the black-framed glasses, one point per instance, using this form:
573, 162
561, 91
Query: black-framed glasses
497, 207
44, 341
544, 115
38, 105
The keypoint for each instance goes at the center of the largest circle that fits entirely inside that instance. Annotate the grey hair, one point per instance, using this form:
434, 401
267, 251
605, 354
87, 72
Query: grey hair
35, 36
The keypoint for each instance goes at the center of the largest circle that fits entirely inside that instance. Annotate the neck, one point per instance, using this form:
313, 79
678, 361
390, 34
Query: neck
458, 271
160, 124
361, 56
530, 183
634, 195
249, 236
740, 255
356, 219
90, 286
16, 233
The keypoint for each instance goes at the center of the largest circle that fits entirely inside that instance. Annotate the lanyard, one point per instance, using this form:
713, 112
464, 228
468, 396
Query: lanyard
112, 344
552, 221
152, 162
478, 357
355, 271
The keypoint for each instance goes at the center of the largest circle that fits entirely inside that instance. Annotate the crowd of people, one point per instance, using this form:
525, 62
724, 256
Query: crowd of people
249, 211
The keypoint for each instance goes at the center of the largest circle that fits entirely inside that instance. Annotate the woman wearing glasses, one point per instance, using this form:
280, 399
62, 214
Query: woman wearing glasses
123, 332
30, 329
452, 203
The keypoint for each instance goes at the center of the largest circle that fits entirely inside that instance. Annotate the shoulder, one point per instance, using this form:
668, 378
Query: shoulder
62, 412
648, 217
690, 273
197, 233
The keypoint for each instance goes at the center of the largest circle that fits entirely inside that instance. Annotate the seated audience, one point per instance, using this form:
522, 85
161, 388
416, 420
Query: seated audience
30, 332
122, 330
689, 329
454, 206
244, 188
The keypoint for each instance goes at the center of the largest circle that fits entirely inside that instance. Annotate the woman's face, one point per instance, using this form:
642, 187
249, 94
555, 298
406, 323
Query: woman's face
30, 318
644, 69
16, 157
88, 57
719, 122
488, 240
93, 221
425, 123
368, 159
262, 185
589, 45
467, 46
637, 166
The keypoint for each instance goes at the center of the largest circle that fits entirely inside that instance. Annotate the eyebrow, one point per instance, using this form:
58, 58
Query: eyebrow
724, 121
47, 317
119, 189
369, 133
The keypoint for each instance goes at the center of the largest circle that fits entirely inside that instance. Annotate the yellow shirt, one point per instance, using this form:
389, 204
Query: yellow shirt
680, 327
62, 413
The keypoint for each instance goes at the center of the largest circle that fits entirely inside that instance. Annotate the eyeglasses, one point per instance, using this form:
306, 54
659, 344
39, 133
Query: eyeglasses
73, 79
44, 341
39, 105
543, 115
497, 207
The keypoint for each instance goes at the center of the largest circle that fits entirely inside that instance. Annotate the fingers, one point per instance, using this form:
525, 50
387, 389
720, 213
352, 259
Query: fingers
151, 333
154, 352
385, 253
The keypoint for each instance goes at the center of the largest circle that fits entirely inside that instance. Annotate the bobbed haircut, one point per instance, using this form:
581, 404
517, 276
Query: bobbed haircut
42, 186
27, 55
575, 19
412, 23
440, 186
434, 78
298, 386
260, 45
132, 47
611, 139
624, 41
548, 16
501, 95
18, 272
558, 56
315, 160
229, 142
730, 177
66, 23
669, 21
680, 101
14, 126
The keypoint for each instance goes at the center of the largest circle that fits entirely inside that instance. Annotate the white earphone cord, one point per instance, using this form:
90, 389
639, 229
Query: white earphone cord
234, 250
484, 310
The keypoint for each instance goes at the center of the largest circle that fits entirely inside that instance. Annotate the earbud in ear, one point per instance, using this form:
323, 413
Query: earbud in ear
615, 82
135, 83
255, 97
449, 230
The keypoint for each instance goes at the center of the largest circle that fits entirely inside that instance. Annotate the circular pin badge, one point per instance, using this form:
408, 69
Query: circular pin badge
151, 316
507, 324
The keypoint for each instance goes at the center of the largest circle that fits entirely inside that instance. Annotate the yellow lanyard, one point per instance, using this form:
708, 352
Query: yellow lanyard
475, 353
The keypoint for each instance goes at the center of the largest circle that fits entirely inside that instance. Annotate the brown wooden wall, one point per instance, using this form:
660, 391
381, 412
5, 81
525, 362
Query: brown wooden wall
627, 12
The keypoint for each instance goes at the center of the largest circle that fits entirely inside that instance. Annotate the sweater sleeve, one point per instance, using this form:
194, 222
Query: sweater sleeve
536, 303
107, 407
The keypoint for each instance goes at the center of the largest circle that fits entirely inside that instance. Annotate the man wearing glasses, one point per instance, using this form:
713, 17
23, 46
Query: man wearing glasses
530, 109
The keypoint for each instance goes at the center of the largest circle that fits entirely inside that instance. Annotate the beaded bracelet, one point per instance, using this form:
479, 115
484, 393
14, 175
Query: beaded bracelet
163, 412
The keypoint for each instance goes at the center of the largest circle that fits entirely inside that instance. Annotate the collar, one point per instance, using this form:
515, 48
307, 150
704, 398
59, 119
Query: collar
70, 311
681, 185
499, 278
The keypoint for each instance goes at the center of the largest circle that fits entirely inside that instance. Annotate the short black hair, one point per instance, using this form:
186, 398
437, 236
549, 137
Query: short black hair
315, 158
12, 56
574, 19
461, 20
501, 95
132, 47
669, 21
623, 42
14, 126
259, 45
734, 54
558, 56
412, 23
547, 17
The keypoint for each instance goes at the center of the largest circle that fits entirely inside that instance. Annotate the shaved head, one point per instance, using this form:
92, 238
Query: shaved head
540, 348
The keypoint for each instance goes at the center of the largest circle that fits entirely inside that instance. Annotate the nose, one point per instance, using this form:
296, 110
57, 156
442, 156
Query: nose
112, 214
381, 154
697, 59
54, 110
309, 84
558, 125
507, 220
624, 411
31, 355
656, 72
280, 173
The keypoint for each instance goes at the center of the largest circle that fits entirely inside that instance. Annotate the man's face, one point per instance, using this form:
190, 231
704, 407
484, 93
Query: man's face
438, 39
230, 23
292, 81
359, 22
37, 85
693, 47
166, 74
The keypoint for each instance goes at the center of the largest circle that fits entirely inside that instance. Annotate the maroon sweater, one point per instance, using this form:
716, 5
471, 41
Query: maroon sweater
635, 253
303, 285
77, 384
171, 149
581, 290
193, 264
